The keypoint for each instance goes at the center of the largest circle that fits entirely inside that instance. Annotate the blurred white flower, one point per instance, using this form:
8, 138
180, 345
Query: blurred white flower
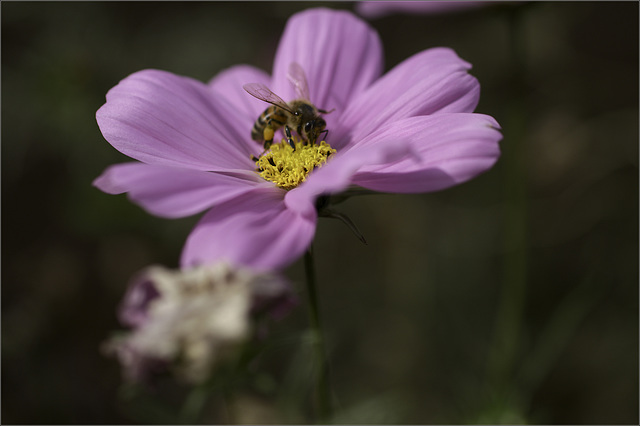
188, 320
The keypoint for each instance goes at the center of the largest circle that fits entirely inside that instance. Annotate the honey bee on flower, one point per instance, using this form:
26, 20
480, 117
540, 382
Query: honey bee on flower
299, 114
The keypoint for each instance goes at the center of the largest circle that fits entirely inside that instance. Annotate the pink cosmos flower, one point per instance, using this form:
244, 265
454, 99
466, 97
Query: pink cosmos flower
411, 130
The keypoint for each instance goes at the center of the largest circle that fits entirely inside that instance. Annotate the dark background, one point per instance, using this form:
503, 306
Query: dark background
511, 298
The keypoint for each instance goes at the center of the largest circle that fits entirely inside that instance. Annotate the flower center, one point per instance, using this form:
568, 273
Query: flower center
287, 167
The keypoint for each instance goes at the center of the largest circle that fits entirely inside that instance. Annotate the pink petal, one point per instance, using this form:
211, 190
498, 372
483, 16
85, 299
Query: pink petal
228, 84
453, 148
172, 192
430, 82
134, 308
254, 230
340, 54
337, 174
376, 9
160, 118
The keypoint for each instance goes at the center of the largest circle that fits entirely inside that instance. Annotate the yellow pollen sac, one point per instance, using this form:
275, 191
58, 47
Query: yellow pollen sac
287, 167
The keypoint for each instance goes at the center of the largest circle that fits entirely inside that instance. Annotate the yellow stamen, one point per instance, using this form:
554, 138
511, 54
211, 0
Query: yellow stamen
287, 167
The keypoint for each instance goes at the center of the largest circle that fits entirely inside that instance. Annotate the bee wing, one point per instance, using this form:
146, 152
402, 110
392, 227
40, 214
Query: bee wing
298, 79
263, 93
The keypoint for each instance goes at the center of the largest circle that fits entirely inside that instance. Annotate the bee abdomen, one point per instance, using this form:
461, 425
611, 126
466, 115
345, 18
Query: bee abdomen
273, 117
256, 132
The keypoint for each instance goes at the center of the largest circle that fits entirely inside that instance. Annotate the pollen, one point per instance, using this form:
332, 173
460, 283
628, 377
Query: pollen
288, 168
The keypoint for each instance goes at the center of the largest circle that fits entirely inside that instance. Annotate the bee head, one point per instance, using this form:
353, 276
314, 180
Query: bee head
313, 128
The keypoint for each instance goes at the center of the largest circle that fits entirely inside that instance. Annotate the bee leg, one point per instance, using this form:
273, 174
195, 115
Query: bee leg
326, 132
254, 158
287, 132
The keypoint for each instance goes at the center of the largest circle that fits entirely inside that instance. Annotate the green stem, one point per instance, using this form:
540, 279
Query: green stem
322, 390
509, 315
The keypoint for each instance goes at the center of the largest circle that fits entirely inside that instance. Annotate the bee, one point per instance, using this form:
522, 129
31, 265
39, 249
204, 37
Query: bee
299, 115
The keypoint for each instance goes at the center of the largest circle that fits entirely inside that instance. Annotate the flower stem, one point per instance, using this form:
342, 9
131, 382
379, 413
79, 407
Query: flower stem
508, 325
322, 389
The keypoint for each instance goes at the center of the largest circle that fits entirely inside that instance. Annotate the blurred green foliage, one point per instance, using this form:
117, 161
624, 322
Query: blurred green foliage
512, 298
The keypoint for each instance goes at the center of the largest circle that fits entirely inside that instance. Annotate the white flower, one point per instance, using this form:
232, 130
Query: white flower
191, 319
